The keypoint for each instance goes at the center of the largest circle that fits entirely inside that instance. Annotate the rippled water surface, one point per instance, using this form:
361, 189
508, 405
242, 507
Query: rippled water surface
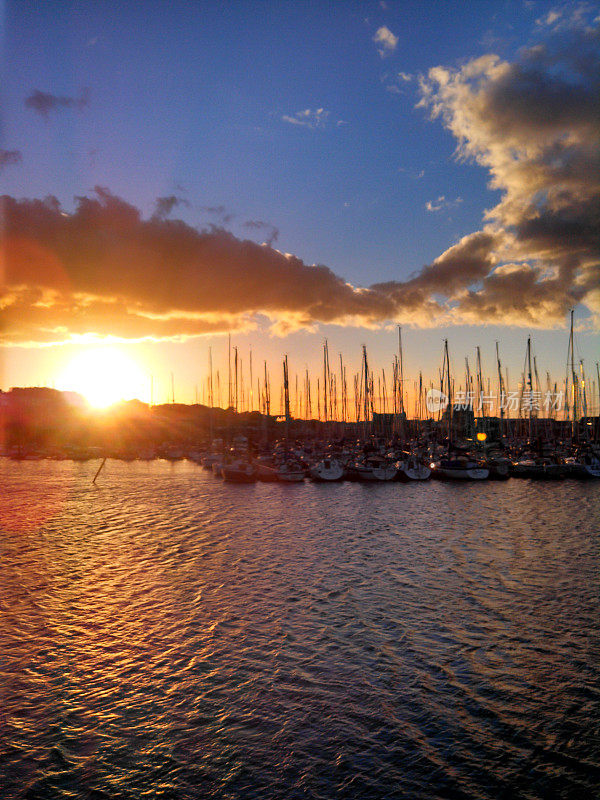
164, 635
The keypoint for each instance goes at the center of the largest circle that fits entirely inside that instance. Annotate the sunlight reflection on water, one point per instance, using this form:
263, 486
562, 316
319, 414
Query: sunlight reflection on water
163, 632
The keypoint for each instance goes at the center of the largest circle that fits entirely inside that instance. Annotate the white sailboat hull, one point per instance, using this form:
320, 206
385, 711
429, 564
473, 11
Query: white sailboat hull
376, 474
414, 472
328, 471
462, 473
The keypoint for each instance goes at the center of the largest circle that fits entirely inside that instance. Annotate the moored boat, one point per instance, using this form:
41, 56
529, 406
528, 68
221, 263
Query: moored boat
239, 472
328, 470
375, 469
585, 465
211, 458
290, 472
412, 468
460, 468
499, 468
266, 472
537, 469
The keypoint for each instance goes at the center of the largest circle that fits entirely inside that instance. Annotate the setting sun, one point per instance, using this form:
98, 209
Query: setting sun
104, 376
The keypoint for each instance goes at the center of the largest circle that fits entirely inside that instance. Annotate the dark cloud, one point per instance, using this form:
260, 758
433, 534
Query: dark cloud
259, 225
104, 268
43, 102
220, 212
164, 205
9, 157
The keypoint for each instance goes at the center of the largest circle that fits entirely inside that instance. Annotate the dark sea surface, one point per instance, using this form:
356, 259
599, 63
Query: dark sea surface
165, 635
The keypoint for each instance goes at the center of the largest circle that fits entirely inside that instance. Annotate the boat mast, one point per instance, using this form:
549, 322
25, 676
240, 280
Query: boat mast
446, 376
229, 403
251, 384
395, 392
235, 350
529, 384
210, 378
597, 437
342, 389
210, 399
318, 401
583, 397
296, 406
501, 391
242, 392
480, 390
267, 392
468, 383
401, 368
366, 394
286, 405
325, 380
574, 382
286, 390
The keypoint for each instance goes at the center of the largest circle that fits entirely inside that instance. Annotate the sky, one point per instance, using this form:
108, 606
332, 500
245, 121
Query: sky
294, 171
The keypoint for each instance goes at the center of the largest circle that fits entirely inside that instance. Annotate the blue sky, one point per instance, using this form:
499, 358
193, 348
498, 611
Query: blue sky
194, 96
291, 122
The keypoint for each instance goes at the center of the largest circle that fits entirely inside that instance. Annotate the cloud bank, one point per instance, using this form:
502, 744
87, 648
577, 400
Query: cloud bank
532, 124
535, 126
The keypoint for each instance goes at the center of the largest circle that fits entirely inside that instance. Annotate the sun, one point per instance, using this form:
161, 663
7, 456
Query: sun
104, 376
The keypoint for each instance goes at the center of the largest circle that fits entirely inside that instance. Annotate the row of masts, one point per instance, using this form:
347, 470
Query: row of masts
334, 396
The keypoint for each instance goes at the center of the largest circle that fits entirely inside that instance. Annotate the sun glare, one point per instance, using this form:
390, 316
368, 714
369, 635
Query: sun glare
104, 376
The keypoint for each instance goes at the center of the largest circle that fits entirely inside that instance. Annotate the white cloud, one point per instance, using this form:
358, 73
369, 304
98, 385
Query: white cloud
394, 83
308, 118
549, 19
386, 39
441, 203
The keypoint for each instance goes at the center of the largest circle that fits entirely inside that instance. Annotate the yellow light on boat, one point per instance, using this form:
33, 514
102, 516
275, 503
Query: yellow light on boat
481, 437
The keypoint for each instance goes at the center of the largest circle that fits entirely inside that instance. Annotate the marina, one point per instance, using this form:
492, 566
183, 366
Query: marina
458, 431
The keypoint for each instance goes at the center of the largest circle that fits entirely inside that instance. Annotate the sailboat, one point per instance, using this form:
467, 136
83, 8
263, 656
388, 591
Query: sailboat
585, 464
412, 468
456, 467
239, 471
460, 468
327, 470
375, 468
290, 471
